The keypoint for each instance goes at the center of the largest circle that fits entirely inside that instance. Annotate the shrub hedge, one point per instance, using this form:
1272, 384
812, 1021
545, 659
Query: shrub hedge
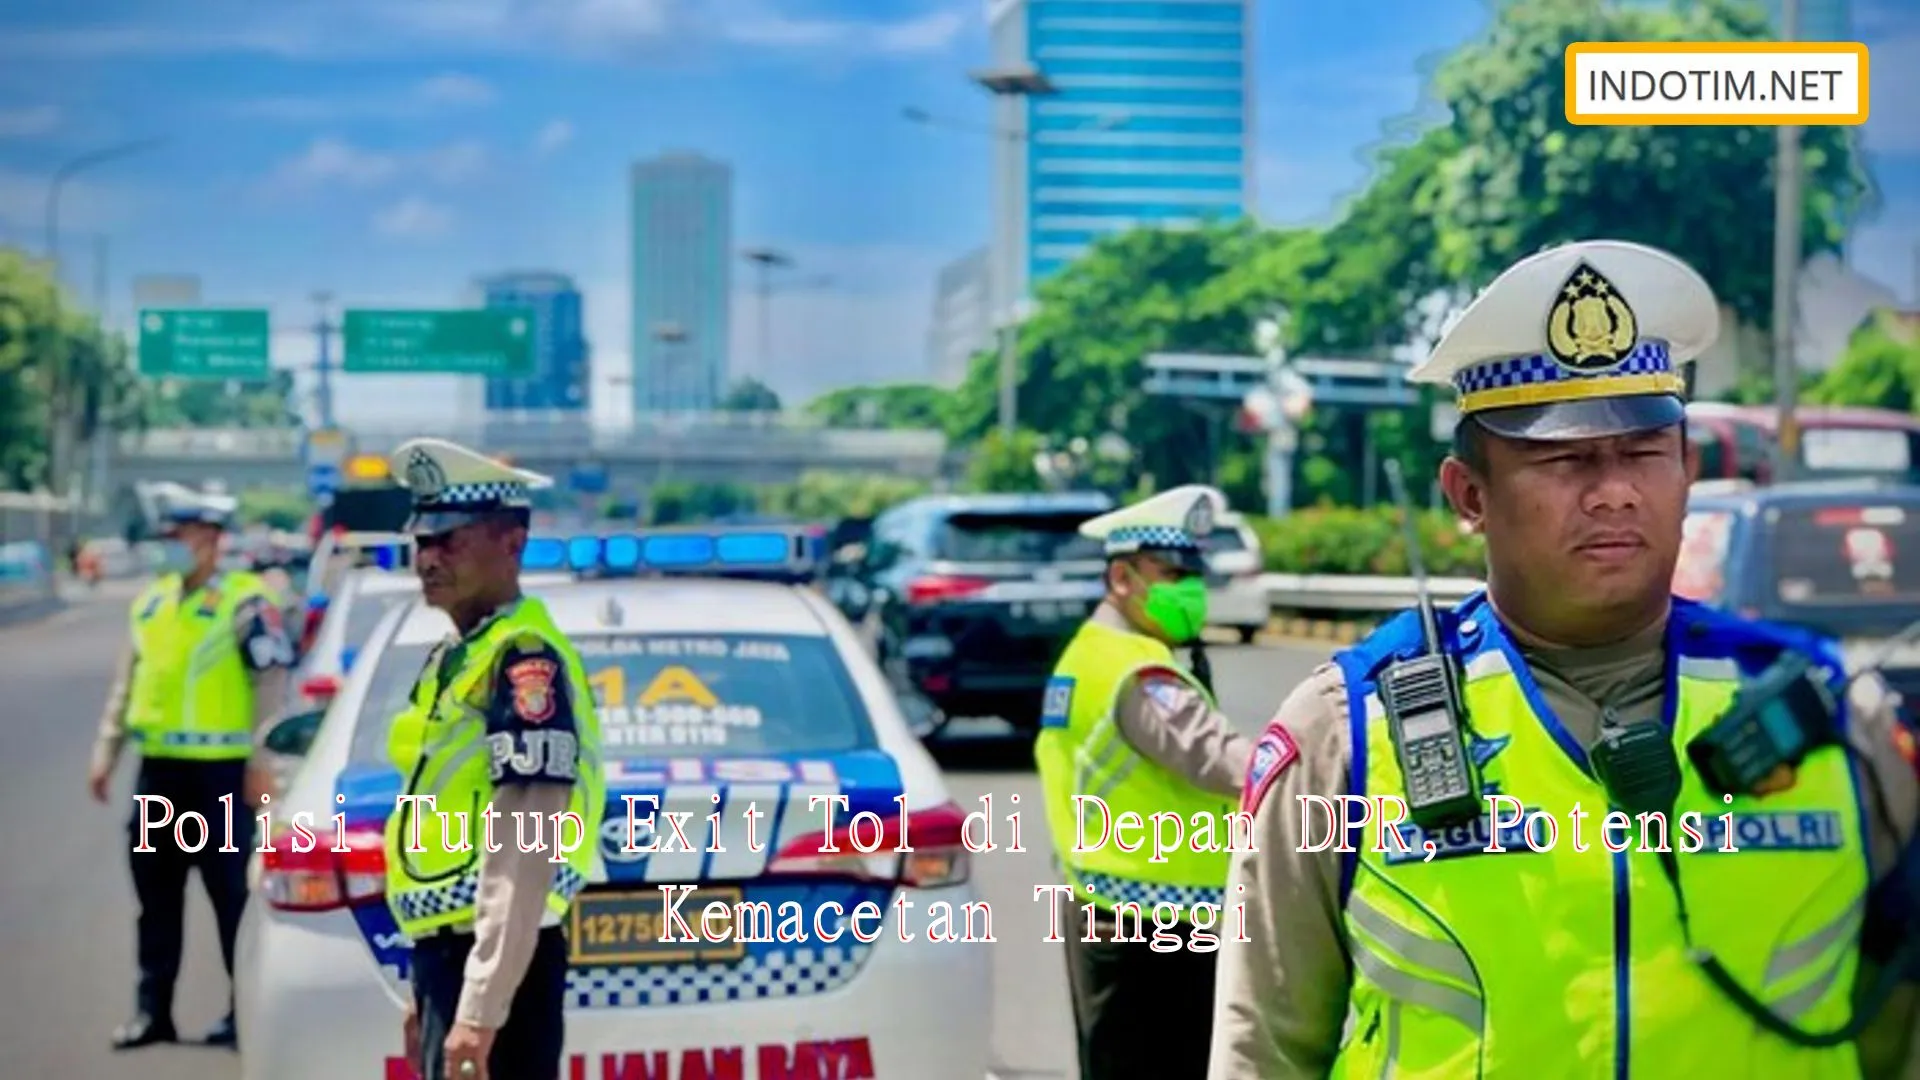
1350, 540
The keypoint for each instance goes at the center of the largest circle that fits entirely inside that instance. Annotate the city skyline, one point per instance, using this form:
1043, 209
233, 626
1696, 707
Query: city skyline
387, 153
681, 277
1142, 121
560, 379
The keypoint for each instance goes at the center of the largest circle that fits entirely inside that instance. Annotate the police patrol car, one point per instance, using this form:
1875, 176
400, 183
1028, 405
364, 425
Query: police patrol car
722, 685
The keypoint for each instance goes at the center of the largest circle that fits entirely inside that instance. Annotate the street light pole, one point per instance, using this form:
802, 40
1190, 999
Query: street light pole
323, 362
767, 260
1786, 269
1010, 86
57, 390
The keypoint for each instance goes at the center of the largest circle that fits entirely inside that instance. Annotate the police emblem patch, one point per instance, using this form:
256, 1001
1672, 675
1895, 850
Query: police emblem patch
1590, 328
425, 477
1200, 517
533, 693
1272, 755
1909, 747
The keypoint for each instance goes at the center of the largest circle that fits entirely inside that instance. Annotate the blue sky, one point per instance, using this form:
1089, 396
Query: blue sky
389, 150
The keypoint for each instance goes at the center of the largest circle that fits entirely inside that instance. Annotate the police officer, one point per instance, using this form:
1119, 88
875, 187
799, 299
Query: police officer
1126, 724
1580, 673
501, 718
199, 686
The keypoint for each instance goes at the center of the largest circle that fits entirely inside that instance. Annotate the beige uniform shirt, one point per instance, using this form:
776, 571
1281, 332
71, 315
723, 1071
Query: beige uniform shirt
1167, 722
1281, 997
1172, 725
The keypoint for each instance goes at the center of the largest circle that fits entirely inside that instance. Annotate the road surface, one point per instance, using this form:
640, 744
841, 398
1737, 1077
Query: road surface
66, 905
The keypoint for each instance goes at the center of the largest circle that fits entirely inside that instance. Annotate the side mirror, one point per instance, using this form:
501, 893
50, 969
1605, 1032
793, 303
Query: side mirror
292, 736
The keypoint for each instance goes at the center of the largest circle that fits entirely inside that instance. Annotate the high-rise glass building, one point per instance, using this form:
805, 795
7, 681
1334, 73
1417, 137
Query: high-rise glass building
682, 282
560, 377
1150, 124
961, 325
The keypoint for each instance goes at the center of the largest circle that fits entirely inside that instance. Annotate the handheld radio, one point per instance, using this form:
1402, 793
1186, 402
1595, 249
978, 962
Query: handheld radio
1423, 706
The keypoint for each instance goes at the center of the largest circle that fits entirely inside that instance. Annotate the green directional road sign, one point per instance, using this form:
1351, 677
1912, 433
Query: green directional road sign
476, 341
204, 343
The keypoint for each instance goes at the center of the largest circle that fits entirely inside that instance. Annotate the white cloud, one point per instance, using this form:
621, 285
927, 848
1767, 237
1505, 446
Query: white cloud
413, 218
86, 205
331, 30
27, 121
456, 89
553, 136
456, 161
931, 32
424, 98
329, 160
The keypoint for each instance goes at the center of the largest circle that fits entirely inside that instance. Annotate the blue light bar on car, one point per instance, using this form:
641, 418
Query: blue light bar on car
762, 550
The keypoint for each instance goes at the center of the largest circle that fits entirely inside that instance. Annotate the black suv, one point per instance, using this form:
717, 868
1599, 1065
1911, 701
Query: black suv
969, 600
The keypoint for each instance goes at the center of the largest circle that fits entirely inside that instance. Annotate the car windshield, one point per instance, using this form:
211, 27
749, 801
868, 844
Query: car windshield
1848, 569
364, 614
1225, 540
708, 695
1857, 451
1015, 537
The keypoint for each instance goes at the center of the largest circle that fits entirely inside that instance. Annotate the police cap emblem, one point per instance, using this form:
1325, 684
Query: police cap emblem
1590, 328
425, 477
1200, 518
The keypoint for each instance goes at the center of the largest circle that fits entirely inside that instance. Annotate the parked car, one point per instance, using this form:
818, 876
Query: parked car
970, 599
1235, 598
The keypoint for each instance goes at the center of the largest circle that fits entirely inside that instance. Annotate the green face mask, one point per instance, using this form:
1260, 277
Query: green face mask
1178, 608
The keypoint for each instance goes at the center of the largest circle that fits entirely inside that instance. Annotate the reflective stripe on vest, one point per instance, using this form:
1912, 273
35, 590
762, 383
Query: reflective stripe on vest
1492, 963
439, 745
1087, 756
192, 695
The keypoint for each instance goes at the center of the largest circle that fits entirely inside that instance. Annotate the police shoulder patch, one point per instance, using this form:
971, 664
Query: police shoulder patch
1273, 754
532, 681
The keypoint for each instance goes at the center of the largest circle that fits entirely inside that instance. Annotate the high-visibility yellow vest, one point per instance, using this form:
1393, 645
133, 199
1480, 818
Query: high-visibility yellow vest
192, 695
439, 744
1080, 751
1572, 963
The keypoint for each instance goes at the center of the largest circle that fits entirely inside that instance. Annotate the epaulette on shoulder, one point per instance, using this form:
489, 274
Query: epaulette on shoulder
528, 643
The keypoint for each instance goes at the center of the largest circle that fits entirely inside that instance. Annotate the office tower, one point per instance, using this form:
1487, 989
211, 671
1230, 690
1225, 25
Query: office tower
1149, 124
682, 281
560, 378
962, 323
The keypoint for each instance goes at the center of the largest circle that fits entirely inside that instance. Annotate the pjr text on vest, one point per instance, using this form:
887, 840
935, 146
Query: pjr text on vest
1508, 825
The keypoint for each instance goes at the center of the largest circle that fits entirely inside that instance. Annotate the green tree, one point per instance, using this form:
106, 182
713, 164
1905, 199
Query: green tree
892, 406
750, 395
1880, 369
61, 377
1081, 357
1005, 464
825, 495
276, 508
1521, 178
221, 403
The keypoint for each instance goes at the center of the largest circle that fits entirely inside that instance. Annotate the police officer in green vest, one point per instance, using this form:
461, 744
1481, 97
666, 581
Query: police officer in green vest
1560, 941
204, 678
500, 723
1127, 729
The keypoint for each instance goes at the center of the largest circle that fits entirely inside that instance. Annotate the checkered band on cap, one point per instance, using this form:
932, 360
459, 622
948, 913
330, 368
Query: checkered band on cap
455, 496
1542, 380
1134, 537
